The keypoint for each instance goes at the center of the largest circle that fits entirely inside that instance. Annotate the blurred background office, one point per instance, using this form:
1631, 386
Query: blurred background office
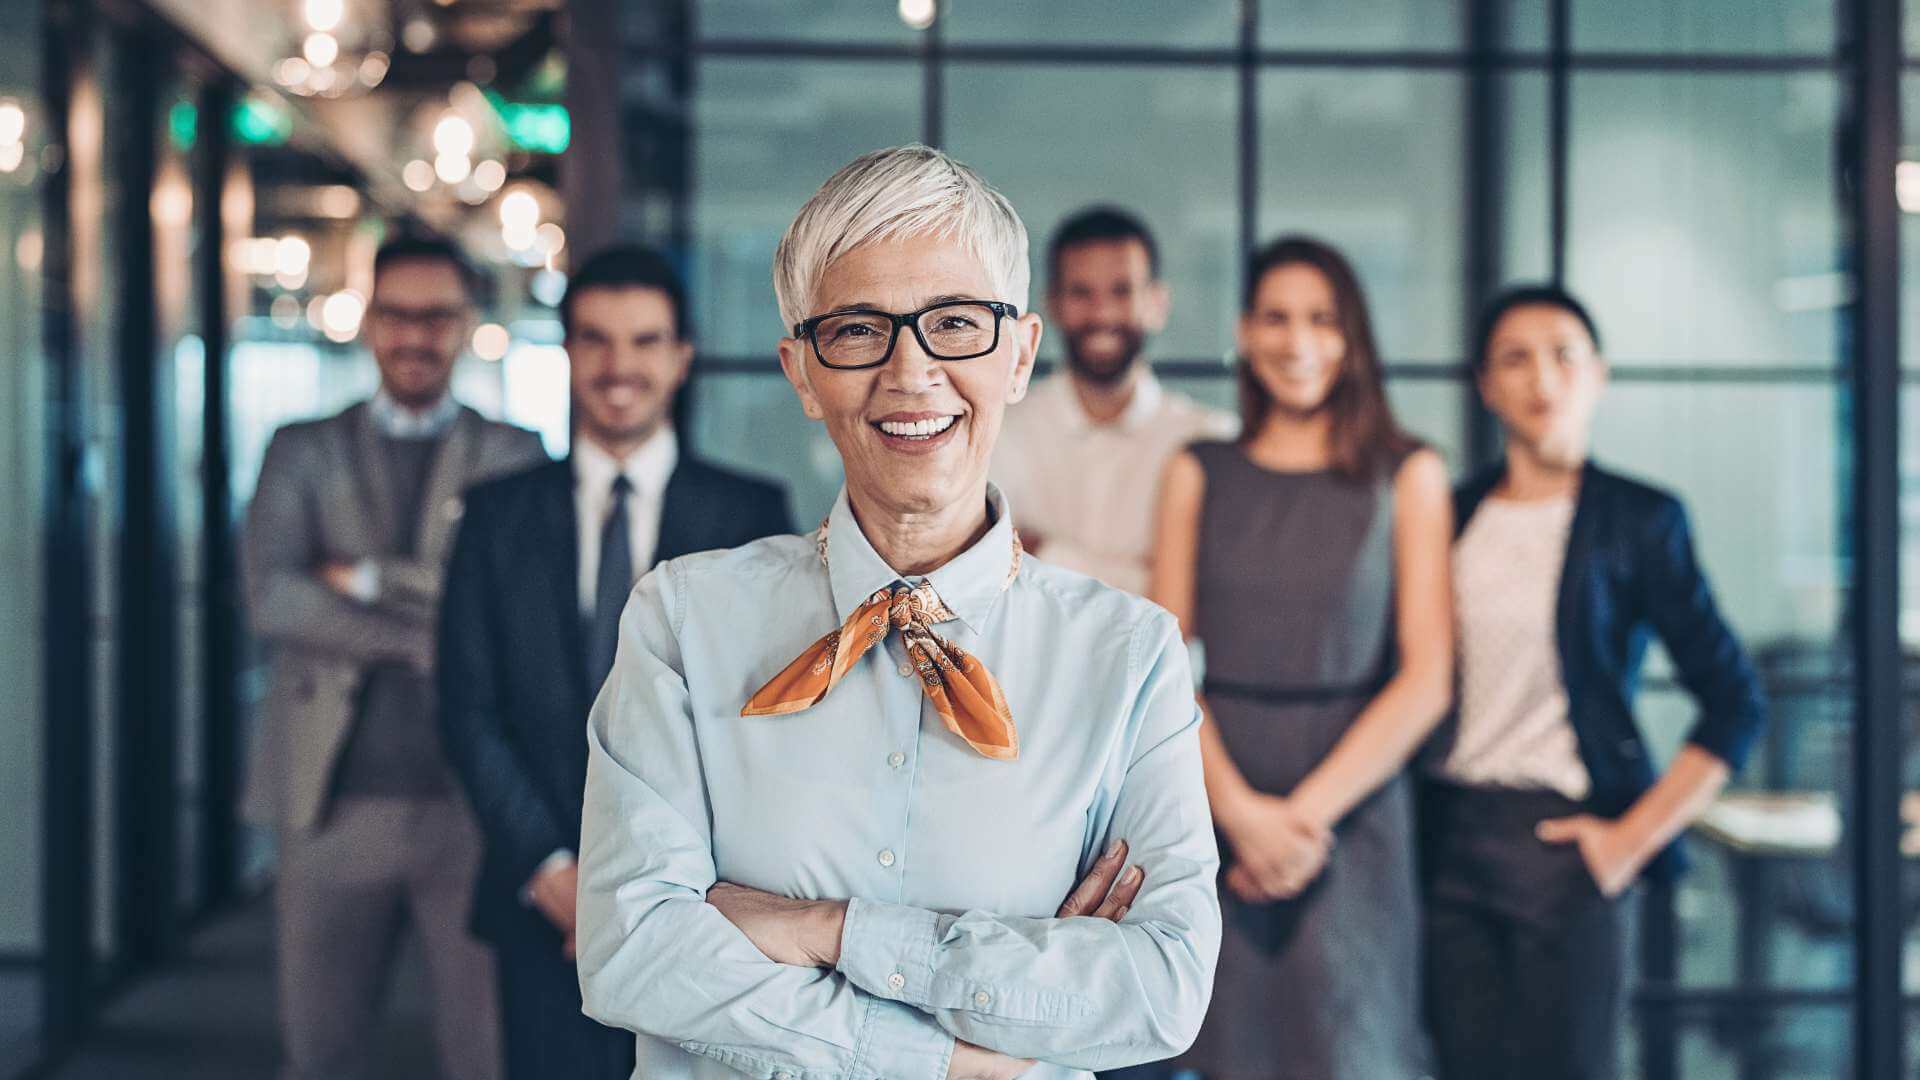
191, 192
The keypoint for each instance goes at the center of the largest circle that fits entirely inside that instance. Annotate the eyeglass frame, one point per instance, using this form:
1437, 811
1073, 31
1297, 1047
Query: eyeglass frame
805, 329
432, 320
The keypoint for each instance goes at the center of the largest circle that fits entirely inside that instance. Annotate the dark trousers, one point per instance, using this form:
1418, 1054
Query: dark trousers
1525, 958
546, 1033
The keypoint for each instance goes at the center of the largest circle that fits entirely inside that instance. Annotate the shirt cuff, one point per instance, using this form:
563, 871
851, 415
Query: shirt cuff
887, 950
902, 1042
365, 586
559, 860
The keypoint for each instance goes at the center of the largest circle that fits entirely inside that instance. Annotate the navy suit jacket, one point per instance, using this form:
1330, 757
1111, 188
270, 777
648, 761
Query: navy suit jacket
514, 693
1630, 573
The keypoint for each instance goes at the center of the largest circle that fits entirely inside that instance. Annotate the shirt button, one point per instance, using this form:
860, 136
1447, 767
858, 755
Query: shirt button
783, 1076
886, 856
896, 759
981, 999
906, 669
895, 981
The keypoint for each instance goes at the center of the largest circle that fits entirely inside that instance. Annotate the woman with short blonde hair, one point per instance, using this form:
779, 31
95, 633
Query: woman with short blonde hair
839, 784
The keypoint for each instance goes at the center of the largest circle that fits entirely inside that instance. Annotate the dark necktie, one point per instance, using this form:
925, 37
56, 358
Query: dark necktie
611, 586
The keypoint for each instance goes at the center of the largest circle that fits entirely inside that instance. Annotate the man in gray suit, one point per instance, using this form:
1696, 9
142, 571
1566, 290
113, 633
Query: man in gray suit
344, 558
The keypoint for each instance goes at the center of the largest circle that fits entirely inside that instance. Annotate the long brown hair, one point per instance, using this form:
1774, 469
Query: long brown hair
1366, 439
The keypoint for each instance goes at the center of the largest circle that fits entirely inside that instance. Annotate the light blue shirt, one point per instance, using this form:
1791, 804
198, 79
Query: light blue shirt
954, 864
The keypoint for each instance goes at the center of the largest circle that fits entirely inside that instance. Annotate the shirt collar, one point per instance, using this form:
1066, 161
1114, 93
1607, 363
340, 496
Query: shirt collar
968, 584
396, 421
648, 468
1139, 413
1147, 396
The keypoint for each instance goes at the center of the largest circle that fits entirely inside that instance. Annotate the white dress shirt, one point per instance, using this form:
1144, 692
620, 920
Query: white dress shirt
1514, 731
648, 468
1089, 490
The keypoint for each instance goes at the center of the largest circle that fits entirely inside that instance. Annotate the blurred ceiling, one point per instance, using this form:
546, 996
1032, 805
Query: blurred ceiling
441, 107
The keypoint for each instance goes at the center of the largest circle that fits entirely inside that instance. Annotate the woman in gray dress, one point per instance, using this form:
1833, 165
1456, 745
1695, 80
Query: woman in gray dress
1310, 559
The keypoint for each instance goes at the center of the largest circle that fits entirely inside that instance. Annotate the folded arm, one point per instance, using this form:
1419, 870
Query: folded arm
654, 956
1082, 992
412, 585
287, 602
409, 586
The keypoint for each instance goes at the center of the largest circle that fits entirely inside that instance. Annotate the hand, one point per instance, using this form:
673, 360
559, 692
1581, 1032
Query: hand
1105, 893
1607, 851
339, 576
555, 892
1277, 849
971, 1062
803, 933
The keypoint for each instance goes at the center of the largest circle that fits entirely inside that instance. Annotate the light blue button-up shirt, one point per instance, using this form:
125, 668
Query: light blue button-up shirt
954, 864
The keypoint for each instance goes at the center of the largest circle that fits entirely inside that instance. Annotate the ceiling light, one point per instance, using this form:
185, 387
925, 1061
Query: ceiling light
918, 14
418, 34
321, 50
340, 315
324, 14
453, 136
490, 341
452, 168
13, 122
489, 175
418, 175
519, 210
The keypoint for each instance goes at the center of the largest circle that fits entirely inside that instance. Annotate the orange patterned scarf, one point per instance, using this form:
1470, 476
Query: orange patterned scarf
963, 692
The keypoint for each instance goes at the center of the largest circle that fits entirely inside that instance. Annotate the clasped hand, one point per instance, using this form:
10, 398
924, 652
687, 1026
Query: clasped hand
1277, 850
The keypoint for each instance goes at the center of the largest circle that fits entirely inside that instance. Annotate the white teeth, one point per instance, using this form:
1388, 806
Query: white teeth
917, 429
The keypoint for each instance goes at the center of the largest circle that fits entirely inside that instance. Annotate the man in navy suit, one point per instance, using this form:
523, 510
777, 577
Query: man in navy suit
540, 572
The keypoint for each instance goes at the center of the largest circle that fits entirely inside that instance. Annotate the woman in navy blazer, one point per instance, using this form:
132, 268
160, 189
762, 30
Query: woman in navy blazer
1545, 807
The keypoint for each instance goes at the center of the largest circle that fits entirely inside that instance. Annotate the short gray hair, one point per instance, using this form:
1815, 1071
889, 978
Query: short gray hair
900, 191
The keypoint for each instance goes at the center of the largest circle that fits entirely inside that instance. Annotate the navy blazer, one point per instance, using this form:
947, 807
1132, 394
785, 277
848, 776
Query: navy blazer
513, 686
1629, 572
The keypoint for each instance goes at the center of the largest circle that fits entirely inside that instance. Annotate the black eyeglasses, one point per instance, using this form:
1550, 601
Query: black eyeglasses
433, 320
864, 338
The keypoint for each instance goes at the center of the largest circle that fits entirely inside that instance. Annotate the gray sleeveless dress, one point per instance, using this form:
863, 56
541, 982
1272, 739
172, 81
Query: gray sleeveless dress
1294, 605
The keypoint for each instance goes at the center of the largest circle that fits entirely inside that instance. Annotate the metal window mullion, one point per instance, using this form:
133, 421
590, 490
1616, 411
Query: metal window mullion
1557, 134
67, 816
1249, 123
220, 632
1875, 587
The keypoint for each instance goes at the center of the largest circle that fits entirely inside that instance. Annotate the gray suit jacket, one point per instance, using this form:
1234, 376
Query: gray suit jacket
322, 496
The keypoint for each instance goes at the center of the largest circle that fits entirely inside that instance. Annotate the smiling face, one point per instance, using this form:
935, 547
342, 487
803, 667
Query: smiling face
915, 434
417, 323
1542, 377
1104, 300
1292, 339
627, 361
